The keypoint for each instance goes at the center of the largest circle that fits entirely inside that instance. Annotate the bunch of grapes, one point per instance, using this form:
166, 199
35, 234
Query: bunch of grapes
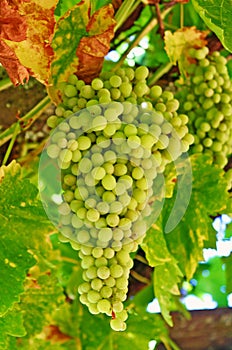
206, 96
110, 140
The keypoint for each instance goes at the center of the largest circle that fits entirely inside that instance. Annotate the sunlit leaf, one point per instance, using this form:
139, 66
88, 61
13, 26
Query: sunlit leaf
13, 25
31, 47
167, 273
80, 43
217, 16
11, 325
178, 43
16, 71
92, 49
209, 197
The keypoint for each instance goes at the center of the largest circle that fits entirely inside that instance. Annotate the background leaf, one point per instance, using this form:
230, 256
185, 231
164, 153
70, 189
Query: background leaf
217, 16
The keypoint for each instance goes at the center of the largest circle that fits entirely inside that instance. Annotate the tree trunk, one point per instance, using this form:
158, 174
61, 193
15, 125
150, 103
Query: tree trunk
206, 330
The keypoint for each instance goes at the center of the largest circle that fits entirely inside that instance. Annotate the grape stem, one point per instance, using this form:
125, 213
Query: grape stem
169, 344
159, 19
163, 69
29, 118
141, 259
181, 15
11, 144
125, 10
140, 278
137, 39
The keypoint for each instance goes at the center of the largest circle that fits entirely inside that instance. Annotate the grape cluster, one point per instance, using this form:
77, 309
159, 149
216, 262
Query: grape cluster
110, 140
207, 99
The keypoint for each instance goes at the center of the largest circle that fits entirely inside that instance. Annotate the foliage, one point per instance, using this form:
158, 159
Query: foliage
39, 270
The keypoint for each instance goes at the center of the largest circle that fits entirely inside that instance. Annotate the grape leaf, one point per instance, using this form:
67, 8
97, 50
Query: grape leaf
217, 16
12, 27
178, 43
11, 324
27, 49
12, 24
92, 49
42, 296
167, 273
21, 236
80, 43
209, 197
72, 320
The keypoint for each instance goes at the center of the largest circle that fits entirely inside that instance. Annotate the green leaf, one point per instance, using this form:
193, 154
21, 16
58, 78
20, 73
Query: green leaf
217, 16
167, 274
69, 30
14, 263
11, 324
64, 5
41, 298
73, 318
194, 232
21, 236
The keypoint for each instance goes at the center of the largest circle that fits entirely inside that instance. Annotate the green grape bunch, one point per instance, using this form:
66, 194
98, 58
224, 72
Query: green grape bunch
206, 97
110, 141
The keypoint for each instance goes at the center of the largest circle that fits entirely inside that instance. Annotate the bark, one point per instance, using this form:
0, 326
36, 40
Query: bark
206, 330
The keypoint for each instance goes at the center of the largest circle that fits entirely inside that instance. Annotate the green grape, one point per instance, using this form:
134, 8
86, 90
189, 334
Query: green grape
103, 208
141, 73
115, 81
83, 236
117, 325
87, 91
109, 182
53, 151
99, 123
97, 252
103, 272
112, 220
104, 306
70, 90
105, 234
93, 215
91, 272
102, 261
109, 252
116, 207
97, 84
98, 173
85, 165
84, 142
96, 284
110, 281
86, 262
108, 197
141, 89
116, 271
93, 296
137, 173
